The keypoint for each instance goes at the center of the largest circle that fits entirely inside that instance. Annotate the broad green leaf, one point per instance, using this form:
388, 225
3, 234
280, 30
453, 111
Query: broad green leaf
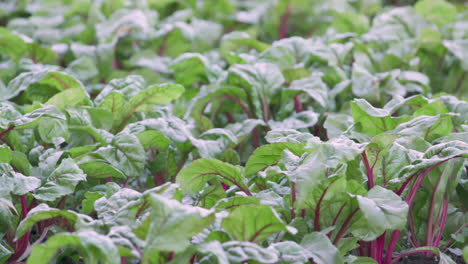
314, 87
260, 81
50, 128
62, 181
382, 210
319, 247
92, 246
153, 139
15, 182
439, 12
69, 97
465, 253
87, 205
113, 102
337, 124
190, 68
169, 230
84, 68
373, 121
11, 44
121, 23
31, 120
240, 41
458, 48
154, 95
125, 154
43, 212
236, 201
5, 251
269, 155
146, 100
8, 213
290, 252
350, 22
253, 223
360, 260
310, 169
120, 208
34, 80
128, 86
193, 178
302, 120
242, 251
5, 154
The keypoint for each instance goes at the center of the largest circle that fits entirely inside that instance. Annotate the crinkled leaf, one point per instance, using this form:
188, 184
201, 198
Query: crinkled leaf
43, 212
193, 178
382, 210
15, 182
93, 247
242, 251
253, 223
58, 80
125, 154
62, 181
320, 249
169, 230
269, 155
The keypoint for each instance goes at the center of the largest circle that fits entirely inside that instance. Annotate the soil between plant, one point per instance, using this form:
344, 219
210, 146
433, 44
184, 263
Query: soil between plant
421, 259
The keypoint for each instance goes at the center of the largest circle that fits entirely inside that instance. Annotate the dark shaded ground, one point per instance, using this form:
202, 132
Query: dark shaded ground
420, 259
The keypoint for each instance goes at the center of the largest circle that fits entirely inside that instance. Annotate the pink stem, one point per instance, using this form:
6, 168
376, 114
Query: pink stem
442, 223
283, 29
369, 171
409, 201
297, 104
344, 227
317, 210
6, 131
293, 200
430, 226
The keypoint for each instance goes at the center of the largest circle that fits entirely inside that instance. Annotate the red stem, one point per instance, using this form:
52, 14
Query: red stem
293, 200
297, 104
283, 29
442, 223
409, 201
403, 186
369, 171
126, 182
265, 109
162, 48
380, 243
255, 132
22, 243
255, 138
159, 178
24, 206
430, 226
6, 131
317, 209
413, 237
336, 218
344, 227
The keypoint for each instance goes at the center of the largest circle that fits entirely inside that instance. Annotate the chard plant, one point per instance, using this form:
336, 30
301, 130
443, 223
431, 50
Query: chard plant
230, 131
